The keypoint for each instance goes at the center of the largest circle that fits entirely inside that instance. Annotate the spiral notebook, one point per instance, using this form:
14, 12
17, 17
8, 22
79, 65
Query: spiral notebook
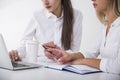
79, 69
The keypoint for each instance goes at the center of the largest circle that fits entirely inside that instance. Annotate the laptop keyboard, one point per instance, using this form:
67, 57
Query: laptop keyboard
18, 65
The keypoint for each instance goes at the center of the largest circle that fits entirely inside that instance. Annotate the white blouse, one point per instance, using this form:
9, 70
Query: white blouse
46, 27
108, 48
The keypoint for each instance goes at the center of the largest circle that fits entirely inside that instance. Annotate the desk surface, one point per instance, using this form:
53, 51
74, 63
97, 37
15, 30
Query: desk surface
50, 74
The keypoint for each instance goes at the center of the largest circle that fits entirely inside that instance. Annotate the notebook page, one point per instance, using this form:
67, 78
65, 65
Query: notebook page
84, 67
81, 69
55, 66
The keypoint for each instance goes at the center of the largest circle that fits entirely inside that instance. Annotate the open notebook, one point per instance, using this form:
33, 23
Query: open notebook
80, 69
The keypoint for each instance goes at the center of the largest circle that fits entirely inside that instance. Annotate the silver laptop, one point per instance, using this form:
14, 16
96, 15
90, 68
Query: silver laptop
5, 61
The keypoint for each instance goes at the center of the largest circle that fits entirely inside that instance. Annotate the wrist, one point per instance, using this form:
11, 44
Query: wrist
77, 55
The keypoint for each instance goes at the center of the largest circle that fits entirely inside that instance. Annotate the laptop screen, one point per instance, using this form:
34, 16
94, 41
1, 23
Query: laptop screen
5, 61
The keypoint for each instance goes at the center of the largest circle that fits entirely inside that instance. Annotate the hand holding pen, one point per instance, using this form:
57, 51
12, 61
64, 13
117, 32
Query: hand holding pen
50, 54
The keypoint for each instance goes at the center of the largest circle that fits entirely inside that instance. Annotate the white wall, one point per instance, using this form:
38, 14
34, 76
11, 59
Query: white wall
15, 14
91, 25
14, 17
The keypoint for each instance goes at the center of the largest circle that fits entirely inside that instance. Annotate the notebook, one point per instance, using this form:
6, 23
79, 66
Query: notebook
79, 69
5, 61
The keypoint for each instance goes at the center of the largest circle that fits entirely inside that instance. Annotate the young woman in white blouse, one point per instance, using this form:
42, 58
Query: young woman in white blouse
107, 45
57, 22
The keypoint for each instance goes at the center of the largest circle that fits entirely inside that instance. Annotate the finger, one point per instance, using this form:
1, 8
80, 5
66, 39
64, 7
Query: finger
55, 59
62, 60
50, 44
56, 52
19, 58
47, 54
57, 47
16, 55
12, 55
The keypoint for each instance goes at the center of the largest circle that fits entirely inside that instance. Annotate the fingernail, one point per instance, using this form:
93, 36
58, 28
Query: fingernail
16, 58
59, 59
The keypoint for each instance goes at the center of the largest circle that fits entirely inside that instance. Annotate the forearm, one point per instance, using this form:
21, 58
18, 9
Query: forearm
95, 63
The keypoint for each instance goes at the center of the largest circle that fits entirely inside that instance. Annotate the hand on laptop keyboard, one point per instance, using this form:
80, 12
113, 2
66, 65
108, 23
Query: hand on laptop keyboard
14, 56
15, 64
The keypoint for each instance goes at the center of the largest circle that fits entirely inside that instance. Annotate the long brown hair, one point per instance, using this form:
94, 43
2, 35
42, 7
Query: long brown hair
67, 30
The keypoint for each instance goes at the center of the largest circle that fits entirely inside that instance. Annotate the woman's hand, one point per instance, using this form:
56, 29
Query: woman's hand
50, 54
53, 52
64, 57
51, 45
14, 55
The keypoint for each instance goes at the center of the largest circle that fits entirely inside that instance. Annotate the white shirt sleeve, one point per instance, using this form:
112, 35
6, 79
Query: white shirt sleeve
111, 65
94, 49
27, 35
77, 32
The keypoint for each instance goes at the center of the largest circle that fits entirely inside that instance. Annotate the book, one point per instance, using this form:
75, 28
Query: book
79, 69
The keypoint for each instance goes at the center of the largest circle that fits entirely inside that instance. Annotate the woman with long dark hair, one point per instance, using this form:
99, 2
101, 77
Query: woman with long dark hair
58, 22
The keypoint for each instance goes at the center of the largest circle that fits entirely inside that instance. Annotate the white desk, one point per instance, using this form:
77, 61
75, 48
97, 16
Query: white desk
50, 74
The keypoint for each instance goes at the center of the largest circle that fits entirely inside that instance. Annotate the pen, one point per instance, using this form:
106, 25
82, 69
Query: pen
50, 52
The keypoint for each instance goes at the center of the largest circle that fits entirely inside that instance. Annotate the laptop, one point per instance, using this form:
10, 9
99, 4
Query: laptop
5, 61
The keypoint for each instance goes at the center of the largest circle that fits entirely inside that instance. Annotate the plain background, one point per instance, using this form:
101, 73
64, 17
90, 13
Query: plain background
15, 15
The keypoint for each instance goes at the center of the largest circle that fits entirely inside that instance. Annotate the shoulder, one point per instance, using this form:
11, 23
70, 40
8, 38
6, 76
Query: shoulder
39, 12
77, 13
77, 21
39, 15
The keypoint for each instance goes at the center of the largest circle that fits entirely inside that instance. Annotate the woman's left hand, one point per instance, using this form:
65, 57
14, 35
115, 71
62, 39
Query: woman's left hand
63, 57
50, 54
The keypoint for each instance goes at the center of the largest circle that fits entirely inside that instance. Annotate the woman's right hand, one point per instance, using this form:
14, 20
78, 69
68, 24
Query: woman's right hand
47, 53
14, 56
